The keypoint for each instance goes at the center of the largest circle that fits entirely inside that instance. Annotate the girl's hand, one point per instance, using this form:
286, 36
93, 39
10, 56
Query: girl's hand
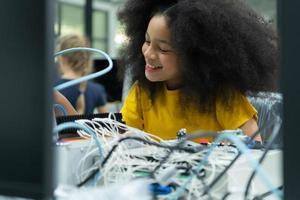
251, 127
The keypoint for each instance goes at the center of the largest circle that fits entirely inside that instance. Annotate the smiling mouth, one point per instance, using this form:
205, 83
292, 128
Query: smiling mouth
152, 67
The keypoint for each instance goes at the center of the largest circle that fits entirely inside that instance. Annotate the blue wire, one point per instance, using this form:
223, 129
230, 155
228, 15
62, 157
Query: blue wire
97, 178
61, 108
90, 76
62, 86
243, 148
68, 125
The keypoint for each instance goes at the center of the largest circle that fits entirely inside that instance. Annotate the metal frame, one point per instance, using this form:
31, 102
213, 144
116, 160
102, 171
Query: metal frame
288, 21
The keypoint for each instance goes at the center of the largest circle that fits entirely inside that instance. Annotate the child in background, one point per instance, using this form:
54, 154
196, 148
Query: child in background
86, 96
193, 62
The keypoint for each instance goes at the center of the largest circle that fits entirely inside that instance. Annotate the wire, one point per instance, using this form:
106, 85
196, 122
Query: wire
205, 186
67, 125
264, 195
227, 194
89, 155
118, 167
268, 147
119, 164
188, 137
244, 150
90, 76
96, 171
147, 142
61, 108
172, 148
239, 154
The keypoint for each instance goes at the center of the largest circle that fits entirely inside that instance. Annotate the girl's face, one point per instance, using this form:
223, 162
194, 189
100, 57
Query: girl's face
160, 57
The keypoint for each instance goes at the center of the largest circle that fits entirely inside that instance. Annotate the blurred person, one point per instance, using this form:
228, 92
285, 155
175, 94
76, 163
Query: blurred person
87, 96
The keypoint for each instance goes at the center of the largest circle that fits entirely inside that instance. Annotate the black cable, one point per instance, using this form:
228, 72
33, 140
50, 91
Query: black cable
187, 137
266, 194
226, 195
94, 172
268, 147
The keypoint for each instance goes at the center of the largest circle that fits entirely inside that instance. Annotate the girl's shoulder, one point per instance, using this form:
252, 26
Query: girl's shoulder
234, 100
138, 95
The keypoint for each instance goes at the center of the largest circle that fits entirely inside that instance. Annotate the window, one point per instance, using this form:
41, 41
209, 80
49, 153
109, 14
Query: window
70, 19
265, 7
99, 23
100, 30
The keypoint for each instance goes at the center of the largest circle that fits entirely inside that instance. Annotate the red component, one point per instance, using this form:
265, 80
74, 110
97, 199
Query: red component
203, 141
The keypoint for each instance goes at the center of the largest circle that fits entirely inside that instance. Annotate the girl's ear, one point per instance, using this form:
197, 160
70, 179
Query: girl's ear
61, 60
62, 64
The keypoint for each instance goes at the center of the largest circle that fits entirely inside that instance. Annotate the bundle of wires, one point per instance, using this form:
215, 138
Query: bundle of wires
190, 170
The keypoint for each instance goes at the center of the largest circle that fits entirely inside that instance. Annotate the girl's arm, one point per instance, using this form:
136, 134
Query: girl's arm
62, 100
251, 127
102, 109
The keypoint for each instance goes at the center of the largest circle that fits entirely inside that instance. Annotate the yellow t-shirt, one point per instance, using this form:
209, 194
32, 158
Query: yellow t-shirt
163, 117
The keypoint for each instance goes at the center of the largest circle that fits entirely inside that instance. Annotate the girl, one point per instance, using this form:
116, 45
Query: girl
192, 63
86, 96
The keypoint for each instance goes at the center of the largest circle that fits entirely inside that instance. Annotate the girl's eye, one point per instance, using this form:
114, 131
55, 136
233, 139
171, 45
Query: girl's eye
164, 50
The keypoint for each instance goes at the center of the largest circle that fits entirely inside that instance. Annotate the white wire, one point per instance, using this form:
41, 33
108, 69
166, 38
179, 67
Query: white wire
127, 160
68, 125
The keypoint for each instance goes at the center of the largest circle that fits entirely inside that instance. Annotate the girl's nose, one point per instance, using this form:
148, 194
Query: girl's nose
149, 53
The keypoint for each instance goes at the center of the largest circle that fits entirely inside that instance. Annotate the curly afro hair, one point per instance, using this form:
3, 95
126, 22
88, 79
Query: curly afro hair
222, 45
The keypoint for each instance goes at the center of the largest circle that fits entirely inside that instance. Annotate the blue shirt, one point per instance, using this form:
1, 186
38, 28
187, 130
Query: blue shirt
95, 95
